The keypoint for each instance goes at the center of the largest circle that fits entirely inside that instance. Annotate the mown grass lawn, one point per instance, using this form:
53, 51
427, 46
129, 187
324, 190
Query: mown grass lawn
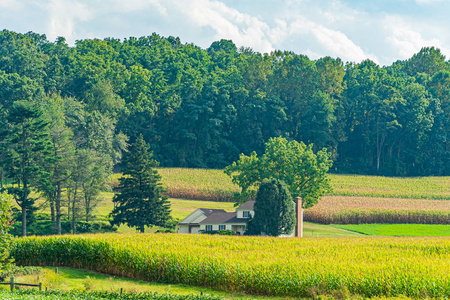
181, 208
85, 280
319, 230
398, 229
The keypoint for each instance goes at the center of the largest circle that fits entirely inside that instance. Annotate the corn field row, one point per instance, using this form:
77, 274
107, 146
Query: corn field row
414, 267
367, 210
384, 216
209, 184
338, 203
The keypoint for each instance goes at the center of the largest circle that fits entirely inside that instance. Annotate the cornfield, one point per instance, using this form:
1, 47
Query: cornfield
208, 184
391, 187
355, 199
414, 267
200, 184
366, 210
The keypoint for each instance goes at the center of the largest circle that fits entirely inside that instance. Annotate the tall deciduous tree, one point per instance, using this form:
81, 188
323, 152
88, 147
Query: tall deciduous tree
140, 201
274, 210
303, 171
62, 157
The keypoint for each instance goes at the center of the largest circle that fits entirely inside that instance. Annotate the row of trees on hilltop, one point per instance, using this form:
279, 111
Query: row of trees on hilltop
203, 107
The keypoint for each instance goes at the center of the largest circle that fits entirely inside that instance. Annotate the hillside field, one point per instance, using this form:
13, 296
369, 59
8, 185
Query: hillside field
355, 199
332, 263
212, 184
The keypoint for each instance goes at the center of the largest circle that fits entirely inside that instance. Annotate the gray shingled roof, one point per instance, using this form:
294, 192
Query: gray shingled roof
247, 205
207, 212
223, 218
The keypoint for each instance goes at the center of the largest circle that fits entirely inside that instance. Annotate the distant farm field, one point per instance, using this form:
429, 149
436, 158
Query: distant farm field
355, 199
399, 229
360, 210
201, 184
391, 187
208, 184
415, 267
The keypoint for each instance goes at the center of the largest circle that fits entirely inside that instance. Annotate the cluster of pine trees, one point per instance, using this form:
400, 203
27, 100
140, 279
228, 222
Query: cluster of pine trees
203, 107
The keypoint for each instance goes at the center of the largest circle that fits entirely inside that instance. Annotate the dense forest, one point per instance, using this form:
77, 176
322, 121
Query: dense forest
203, 107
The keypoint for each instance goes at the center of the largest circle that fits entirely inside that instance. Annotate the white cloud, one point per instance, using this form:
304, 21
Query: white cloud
406, 40
334, 42
351, 30
278, 33
63, 16
130, 6
10, 4
228, 23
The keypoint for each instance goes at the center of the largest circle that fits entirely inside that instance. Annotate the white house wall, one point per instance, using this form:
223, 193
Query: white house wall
195, 229
215, 227
229, 226
183, 228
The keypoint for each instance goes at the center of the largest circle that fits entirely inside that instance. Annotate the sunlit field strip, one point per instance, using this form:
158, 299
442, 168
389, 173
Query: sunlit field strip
415, 267
339, 203
393, 187
398, 229
208, 184
364, 210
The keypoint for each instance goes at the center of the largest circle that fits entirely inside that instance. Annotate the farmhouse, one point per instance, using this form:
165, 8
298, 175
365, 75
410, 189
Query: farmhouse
205, 219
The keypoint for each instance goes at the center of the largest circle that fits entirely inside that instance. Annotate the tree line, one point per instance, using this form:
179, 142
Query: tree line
203, 107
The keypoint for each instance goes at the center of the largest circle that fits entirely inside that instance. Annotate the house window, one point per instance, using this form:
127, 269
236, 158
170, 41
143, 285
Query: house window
208, 227
246, 214
221, 227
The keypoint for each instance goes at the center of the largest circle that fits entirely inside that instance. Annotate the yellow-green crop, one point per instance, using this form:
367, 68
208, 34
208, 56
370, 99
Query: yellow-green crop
414, 267
366, 210
208, 184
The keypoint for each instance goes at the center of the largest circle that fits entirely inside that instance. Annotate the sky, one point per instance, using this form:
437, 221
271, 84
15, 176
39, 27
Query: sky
381, 30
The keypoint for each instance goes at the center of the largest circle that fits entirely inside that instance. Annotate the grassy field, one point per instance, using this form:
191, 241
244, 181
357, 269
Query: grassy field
318, 230
428, 203
95, 295
326, 209
181, 208
67, 279
416, 267
398, 229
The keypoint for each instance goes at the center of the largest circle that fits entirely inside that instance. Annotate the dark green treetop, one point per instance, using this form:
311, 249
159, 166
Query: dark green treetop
140, 200
303, 171
28, 147
274, 210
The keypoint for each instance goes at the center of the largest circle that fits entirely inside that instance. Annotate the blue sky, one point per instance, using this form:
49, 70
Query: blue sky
381, 30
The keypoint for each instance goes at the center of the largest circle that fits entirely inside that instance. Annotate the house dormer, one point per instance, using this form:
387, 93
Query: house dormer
246, 210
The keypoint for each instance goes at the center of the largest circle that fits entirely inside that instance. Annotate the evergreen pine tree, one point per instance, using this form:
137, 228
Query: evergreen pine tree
28, 146
140, 200
274, 210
